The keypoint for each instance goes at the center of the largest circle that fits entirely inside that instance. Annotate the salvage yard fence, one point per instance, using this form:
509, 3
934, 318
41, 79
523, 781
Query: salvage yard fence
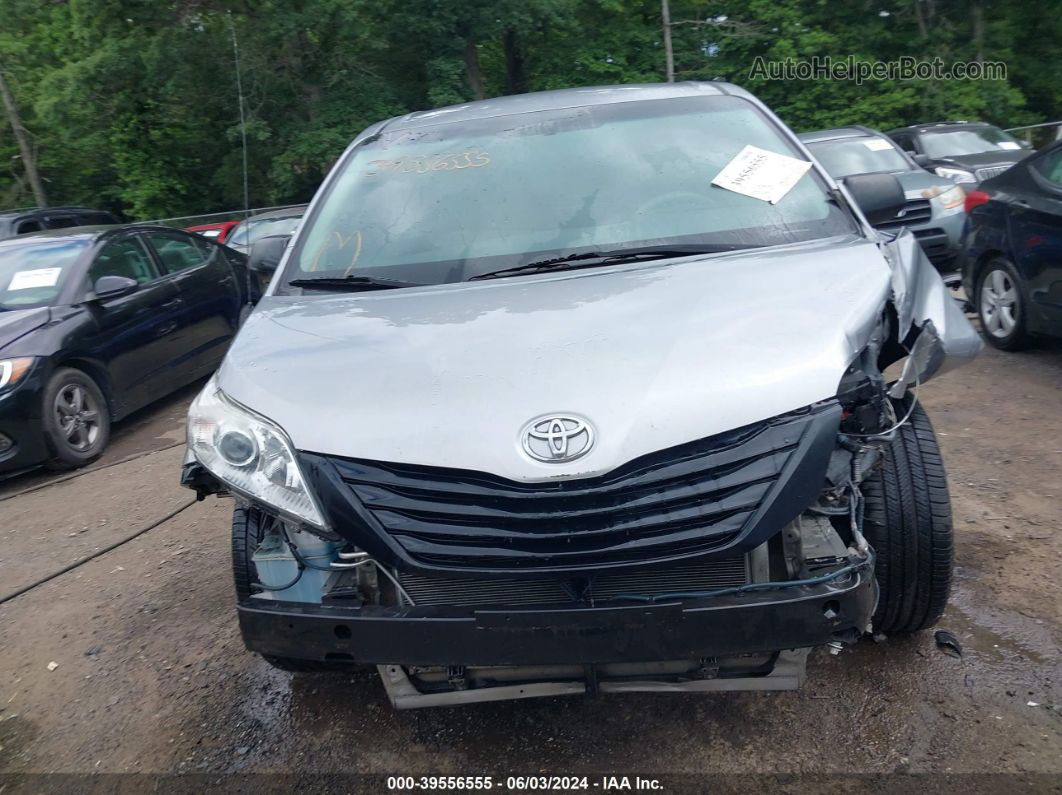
183, 221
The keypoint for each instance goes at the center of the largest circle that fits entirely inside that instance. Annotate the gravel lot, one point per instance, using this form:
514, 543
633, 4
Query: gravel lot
122, 581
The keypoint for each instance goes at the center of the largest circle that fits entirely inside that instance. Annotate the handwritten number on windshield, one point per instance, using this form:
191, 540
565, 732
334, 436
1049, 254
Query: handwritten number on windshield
430, 163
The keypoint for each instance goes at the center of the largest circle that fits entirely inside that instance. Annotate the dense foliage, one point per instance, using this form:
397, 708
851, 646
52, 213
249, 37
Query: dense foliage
132, 104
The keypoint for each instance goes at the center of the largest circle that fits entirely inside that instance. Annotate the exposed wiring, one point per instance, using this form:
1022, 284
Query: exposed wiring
267, 587
394, 581
887, 435
303, 564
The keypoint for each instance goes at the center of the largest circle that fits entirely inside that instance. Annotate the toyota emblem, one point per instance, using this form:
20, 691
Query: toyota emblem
557, 439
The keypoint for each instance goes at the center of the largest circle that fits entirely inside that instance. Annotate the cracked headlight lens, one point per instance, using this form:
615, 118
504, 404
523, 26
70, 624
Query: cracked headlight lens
249, 454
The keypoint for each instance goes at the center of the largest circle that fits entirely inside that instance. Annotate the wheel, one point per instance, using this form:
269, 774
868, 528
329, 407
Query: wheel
1000, 305
76, 419
246, 535
908, 523
247, 532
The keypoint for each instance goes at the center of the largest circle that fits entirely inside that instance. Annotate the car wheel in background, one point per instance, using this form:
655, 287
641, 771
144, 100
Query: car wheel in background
76, 419
907, 521
1000, 305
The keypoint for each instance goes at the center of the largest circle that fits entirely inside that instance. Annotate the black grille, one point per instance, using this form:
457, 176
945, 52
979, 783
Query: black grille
913, 212
686, 500
704, 575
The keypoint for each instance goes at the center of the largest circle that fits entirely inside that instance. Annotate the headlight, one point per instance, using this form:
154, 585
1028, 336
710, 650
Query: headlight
250, 454
955, 174
948, 197
13, 370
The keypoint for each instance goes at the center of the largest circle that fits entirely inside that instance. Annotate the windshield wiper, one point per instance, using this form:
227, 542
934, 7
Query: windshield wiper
573, 261
353, 283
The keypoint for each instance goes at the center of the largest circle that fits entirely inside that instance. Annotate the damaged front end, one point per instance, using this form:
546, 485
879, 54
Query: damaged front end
709, 565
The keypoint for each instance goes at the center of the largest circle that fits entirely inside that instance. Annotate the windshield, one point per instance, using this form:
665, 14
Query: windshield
848, 156
33, 272
255, 228
449, 202
972, 141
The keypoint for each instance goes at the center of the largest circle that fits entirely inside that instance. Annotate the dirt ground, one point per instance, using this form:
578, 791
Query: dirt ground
120, 651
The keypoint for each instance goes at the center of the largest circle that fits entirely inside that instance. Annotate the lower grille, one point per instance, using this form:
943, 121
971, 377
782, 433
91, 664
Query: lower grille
461, 592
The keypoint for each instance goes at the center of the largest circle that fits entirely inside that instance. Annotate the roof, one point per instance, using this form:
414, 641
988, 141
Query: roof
82, 233
24, 210
853, 131
560, 99
930, 125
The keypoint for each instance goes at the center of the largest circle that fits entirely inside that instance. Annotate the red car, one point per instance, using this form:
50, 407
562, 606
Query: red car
216, 232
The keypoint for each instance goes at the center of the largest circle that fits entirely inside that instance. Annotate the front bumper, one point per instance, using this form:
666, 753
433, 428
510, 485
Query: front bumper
20, 422
749, 622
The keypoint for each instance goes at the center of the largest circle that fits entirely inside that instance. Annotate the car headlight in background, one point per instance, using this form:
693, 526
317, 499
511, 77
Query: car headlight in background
250, 454
948, 197
954, 174
13, 370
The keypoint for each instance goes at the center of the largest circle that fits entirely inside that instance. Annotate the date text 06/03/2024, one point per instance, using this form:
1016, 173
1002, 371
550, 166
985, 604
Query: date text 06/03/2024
522, 783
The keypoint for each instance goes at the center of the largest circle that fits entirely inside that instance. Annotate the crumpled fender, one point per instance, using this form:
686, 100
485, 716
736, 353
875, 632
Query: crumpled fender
942, 336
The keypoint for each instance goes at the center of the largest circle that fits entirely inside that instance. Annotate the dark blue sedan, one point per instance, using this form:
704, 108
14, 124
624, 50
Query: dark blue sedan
1012, 250
96, 322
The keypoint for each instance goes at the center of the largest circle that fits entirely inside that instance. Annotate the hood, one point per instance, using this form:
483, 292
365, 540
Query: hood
15, 323
652, 355
998, 157
915, 182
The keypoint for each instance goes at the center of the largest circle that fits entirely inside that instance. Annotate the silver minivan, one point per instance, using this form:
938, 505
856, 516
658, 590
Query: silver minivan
584, 391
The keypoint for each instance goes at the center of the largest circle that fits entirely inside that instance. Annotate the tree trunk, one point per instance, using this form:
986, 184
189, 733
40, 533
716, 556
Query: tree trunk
515, 69
472, 70
669, 53
25, 148
978, 14
922, 32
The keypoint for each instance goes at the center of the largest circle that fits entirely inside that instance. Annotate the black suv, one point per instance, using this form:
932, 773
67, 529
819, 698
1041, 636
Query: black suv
38, 219
967, 152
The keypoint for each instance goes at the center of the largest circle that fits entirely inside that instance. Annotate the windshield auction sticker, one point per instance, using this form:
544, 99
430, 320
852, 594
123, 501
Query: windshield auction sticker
761, 174
41, 277
877, 145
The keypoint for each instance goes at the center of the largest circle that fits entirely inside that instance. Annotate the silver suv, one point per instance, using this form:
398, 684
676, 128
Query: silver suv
583, 391
934, 208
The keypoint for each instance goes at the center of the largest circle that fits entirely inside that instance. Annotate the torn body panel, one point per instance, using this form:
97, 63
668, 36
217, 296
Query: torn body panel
928, 318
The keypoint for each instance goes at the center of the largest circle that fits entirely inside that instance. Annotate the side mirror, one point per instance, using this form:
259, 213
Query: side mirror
879, 196
114, 286
266, 253
920, 160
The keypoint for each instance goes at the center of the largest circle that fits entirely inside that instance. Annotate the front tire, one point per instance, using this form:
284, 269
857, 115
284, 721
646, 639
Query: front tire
76, 419
1001, 306
908, 523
